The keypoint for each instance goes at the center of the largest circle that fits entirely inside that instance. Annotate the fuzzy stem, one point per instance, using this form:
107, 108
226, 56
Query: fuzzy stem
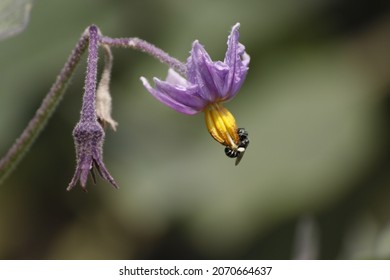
88, 112
148, 48
44, 112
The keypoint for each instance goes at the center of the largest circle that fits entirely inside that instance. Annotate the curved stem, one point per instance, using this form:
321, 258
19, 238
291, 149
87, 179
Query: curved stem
148, 48
44, 112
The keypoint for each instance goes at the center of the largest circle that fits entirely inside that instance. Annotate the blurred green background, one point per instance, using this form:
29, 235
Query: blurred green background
314, 183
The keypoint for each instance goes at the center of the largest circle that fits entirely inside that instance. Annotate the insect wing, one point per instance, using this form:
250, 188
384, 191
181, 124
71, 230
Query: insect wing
241, 152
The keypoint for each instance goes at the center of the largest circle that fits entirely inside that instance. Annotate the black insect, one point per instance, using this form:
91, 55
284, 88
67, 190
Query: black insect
238, 152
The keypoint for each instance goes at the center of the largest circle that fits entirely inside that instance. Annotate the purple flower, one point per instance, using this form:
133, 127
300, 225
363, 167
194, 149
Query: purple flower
207, 85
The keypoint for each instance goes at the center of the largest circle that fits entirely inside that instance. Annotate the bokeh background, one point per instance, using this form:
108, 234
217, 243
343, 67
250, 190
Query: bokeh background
314, 183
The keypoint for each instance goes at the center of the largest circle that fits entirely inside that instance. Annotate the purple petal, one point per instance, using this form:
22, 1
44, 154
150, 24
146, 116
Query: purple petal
219, 71
187, 96
202, 71
175, 78
167, 99
237, 60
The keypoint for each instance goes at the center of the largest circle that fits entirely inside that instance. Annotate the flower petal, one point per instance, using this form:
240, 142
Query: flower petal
219, 70
175, 78
188, 96
203, 72
167, 99
237, 60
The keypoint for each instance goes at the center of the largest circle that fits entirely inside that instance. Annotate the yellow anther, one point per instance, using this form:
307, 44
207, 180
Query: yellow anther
221, 125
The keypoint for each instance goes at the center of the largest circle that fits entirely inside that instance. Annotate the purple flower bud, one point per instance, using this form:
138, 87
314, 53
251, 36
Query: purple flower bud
88, 134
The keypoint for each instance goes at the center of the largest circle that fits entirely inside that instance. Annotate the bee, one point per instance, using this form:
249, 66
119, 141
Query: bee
239, 151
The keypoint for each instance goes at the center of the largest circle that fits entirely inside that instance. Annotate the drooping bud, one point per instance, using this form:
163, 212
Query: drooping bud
88, 134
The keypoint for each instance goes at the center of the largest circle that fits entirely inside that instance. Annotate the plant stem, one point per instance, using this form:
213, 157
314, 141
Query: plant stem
148, 48
44, 112
88, 111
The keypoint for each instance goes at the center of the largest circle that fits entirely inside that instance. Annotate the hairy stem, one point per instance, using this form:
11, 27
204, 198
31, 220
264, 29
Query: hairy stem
148, 48
44, 112
88, 112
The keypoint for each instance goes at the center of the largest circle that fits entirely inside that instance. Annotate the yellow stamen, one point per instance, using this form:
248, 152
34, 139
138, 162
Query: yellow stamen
221, 125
